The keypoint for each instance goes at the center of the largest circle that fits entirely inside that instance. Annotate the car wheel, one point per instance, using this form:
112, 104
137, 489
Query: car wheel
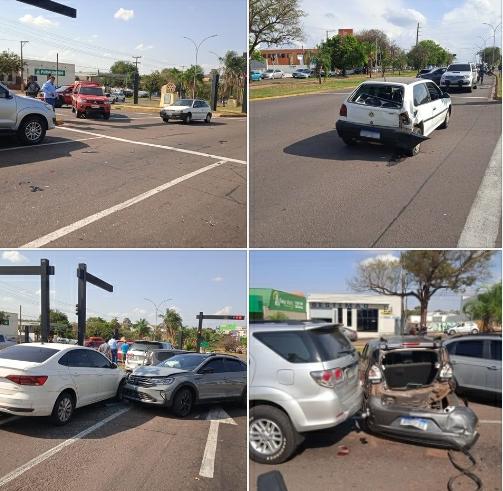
273, 438
78, 114
188, 118
119, 396
208, 118
412, 152
182, 403
451, 332
63, 409
475, 331
445, 124
106, 116
166, 120
32, 130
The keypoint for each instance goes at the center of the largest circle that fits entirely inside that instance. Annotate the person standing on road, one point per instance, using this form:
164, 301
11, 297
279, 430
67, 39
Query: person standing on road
113, 348
481, 74
104, 349
124, 349
49, 90
32, 88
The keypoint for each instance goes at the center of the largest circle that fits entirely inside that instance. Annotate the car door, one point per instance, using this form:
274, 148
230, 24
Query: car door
439, 102
468, 363
236, 377
494, 366
211, 379
196, 110
83, 375
423, 107
107, 379
8, 109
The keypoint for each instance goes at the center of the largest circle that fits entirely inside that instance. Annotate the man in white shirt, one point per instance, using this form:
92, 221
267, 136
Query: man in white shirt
113, 348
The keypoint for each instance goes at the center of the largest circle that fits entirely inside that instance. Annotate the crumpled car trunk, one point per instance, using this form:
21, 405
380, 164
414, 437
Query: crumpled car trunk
410, 369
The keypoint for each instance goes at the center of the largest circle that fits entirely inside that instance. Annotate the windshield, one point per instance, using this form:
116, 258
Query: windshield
390, 96
91, 91
146, 346
184, 362
33, 354
459, 68
183, 102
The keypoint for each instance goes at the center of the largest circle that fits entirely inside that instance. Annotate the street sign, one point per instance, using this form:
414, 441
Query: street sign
205, 344
57, 7
49, 71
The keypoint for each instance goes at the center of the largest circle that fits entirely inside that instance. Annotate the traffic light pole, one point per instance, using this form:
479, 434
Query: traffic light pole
202, 316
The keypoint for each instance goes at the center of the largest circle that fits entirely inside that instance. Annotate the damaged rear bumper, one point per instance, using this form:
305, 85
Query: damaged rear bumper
380, 134
453, 429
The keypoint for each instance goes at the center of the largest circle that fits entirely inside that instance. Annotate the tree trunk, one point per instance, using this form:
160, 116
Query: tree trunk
424, 312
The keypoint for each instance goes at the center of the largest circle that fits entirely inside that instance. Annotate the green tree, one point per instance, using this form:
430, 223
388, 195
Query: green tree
427, 52
274, 23
491, 55
115, 325
97, 326
376, 45
59, 324
322, 61
9, 62
152, 83
486, 307
171, 322
141, 328
346, 52
233, 75
124, 68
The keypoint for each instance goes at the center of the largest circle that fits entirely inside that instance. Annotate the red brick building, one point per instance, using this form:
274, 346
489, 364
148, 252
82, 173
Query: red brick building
294, 56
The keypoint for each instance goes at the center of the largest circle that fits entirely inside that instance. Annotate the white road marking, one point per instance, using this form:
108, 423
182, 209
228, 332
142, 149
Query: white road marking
484, 220
217, 416
166, 147
467, 97
490, 421
46, 239
44, 456
51, 143
9, 420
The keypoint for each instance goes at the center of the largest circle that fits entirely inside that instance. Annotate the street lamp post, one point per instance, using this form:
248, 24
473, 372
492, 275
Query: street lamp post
157, 306
494, 39
197, 46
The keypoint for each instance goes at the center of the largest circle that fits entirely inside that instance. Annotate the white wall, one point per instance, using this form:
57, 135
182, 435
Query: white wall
66, 79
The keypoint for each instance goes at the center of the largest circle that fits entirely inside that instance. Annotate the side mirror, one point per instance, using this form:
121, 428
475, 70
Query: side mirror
445, 95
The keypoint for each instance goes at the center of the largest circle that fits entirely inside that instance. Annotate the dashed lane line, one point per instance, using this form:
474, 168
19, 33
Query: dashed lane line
57, 234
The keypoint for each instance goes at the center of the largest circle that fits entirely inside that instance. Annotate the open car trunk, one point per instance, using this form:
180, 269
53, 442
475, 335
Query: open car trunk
410, 369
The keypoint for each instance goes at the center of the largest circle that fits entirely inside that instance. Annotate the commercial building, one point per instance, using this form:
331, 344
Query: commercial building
64, 72
233, 329
294, 58
9, 326
370, 315
267, 303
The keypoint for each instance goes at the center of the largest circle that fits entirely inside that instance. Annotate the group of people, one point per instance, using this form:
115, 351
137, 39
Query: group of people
110, 349
48, 89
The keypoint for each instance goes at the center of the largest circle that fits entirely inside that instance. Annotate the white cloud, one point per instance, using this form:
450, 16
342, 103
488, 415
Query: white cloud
39, 21
124, 14
14, 257
218, 279
142, 47
224, 311
389, 258
138, 311
404, 17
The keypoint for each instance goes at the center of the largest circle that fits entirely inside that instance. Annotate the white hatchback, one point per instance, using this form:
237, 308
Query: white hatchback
187, 110
467, 327
50, 379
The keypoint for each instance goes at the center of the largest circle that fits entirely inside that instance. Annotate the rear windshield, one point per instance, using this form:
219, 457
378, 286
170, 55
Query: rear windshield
91, 91
307, 346
459, 68
146, 346
390, 96
33, 354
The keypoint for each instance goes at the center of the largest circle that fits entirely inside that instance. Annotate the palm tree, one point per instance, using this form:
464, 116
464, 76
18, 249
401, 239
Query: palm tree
486, 307
233, 74
142, 328
172, 323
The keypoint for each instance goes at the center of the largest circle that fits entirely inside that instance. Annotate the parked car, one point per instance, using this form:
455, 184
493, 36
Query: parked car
459, 76
476, 361
424, 71
5, 343
93, 342
434, 75
137, 353
187, 379
399, 114
64, 95
255, 75
143, 93
187, 110
26, 117
350, 333
303, 377
50, 379
468, 327
409, 393
302, 73
156, 356
272, 73
89, 100
118, 96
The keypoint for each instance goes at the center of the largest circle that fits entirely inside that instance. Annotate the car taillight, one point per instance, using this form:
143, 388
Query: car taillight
408, 345
404, 119
374, 375
343, 111
328, 378
445, 371
27, 379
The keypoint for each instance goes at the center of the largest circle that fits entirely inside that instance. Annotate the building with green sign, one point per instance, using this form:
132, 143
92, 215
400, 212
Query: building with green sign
269, 304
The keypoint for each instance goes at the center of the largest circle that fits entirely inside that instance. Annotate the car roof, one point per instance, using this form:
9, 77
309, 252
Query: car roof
407, 82
291, 326
462, 337
56, 346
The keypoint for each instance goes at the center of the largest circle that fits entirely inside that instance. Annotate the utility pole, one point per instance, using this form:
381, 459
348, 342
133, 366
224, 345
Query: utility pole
22, 61
57, 68
417, 34
136, 80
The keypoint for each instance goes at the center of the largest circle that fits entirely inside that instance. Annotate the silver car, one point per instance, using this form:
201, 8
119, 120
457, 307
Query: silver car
137, 353
303, 377
476, 361
187, 379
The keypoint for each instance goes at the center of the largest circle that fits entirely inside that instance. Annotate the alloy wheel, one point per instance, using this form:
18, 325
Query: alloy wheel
64, 409
33, 130
266, 436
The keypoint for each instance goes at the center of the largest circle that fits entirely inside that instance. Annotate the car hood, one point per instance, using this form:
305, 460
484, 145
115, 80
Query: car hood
176, 108
156, 371
23, 101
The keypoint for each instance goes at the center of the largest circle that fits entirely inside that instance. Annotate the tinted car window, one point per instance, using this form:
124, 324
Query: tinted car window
146, 346
217, 365
97, 360
34, 354
330, 343
76, 358
472, 349
421, 95
461, 67
293, 346
496, 350
434, 91
235, 365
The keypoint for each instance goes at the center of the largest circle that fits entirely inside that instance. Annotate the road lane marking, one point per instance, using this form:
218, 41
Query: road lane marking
155, 145
216, 416
50, 143
46, 455
9, 420
484, 220
57, 234
490, 421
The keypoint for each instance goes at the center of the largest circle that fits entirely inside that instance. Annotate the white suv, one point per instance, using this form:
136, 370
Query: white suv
467, 327
27, 117
398, 114
460, 76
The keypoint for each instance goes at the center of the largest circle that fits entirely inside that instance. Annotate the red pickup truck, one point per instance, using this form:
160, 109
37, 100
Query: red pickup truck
88, 99
93, 342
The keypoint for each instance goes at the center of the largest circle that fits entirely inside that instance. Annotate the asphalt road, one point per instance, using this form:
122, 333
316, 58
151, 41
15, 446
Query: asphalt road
386, 465
135, 447
131, 181
308, 189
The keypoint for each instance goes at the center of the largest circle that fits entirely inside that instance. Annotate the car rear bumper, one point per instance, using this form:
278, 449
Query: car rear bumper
21, 404
455, 429
389, 136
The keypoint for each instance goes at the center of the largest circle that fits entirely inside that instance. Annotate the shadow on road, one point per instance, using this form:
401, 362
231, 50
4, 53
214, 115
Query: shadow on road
328, 437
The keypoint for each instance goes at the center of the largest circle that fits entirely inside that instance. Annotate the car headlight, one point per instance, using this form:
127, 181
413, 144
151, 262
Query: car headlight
164, 380
466, 77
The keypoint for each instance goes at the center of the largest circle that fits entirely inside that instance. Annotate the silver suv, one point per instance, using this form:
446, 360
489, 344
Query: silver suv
187, 379
138, 352
459, 75
303, 377
26, 117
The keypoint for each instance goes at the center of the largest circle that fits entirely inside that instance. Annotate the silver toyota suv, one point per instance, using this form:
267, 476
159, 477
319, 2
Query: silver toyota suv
303, 377
459, 76
26, 117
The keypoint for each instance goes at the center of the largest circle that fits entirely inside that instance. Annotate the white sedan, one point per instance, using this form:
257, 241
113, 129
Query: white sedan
187, 110
50, 379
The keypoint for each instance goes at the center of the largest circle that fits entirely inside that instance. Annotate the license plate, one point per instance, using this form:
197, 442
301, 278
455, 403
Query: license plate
95, 107
370, 134
419, 423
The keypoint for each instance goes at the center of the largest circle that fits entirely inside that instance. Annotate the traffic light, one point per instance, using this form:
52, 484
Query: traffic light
77, 310
237, 317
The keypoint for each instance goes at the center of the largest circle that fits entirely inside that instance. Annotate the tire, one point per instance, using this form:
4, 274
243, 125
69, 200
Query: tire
445, 124
119, 396
183, 402
451, 332
268, 419
78, 114
32, 130
188, 119
412, 152
64, 407
106, 116
348, 141
58, 103
166, 120
475, 331
207, 119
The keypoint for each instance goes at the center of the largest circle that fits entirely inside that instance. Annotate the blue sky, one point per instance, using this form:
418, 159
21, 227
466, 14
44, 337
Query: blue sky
328, 271
454, 24
208, 281
105, 31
